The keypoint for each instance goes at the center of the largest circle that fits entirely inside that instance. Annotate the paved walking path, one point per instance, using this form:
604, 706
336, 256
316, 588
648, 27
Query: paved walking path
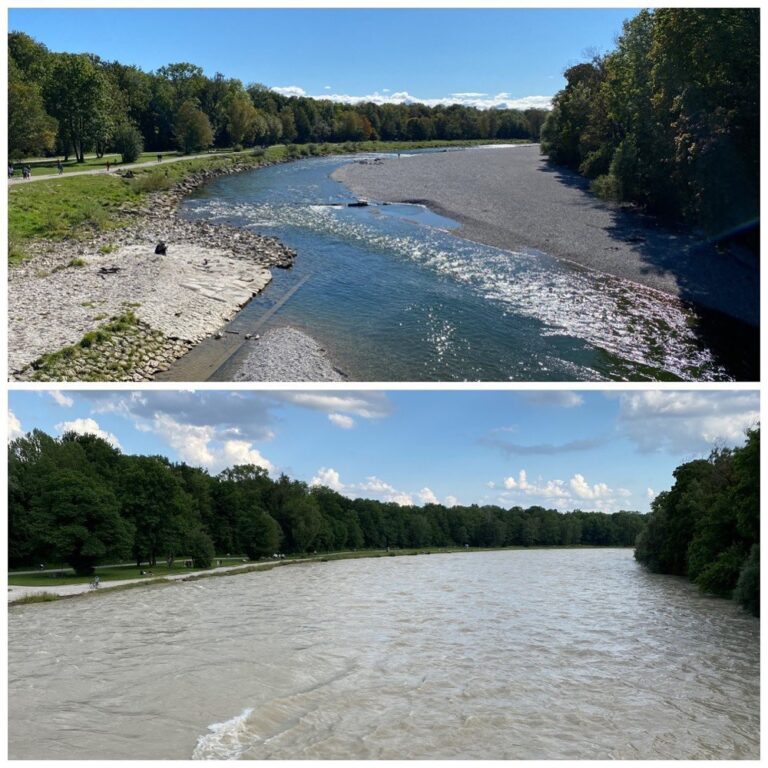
117, 167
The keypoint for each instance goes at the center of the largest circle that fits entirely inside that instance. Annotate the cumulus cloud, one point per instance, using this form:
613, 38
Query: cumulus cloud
561, 494
201, 445
581, 488
63, 400
427, 496
88, 427
217, 429
376, 488
686, 422
14, 426
328, 477
467, 98
450, 501
340, 420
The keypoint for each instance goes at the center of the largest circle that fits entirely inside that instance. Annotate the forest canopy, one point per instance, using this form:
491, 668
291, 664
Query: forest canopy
79, 500
69, 104
707, 526
670, 119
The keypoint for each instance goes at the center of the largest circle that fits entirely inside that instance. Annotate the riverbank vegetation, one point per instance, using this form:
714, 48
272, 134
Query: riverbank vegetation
670, 119
79, 500
68, 105
81, 206
707, 526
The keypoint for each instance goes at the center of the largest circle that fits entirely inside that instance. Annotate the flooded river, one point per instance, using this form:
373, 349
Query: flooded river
394, 295
510, 654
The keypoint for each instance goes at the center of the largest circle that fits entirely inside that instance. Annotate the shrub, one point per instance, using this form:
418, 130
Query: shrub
720, 577
129, 143
607, 187
200, 549
747, 590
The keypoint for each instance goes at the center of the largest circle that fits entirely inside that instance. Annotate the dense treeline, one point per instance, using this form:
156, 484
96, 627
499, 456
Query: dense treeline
78, 500
69, 104
670, 119
707, 527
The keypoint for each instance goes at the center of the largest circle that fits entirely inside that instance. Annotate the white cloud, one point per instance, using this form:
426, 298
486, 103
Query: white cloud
329, 478
340, 420
63, 400
289, 90
687, 422
371, 487
88, 427
467, 99
237, 452
561, 494
199, 445
650, 494
584, 490
190, 441
14, 426
450, 501
427, 496
366, 405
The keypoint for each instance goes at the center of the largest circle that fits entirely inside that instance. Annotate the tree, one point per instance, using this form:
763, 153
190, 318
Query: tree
76, 95
31, 131
128, 142
241, 118
192, 128
77, 520
199, 547
258, 534
154, 501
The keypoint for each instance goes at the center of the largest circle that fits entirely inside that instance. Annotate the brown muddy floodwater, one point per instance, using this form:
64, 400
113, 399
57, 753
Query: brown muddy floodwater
513, 654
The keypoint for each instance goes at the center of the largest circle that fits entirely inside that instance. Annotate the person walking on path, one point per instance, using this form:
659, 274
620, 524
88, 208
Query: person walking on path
107, 166
60, 167
159, 157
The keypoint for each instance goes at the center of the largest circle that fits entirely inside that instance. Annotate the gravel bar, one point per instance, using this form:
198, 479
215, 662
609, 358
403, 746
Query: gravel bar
514, 198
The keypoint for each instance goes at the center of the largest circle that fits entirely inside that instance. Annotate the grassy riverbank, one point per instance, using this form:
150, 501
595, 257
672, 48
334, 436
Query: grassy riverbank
161, 574
78, 207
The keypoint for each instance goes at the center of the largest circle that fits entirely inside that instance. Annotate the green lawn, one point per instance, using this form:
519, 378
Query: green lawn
107, 574
44, 166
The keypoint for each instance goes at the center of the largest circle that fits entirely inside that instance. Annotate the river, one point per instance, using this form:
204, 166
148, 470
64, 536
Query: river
395, 295
508, 654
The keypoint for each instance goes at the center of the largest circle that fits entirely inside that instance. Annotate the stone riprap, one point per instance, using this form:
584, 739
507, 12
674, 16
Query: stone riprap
70, 288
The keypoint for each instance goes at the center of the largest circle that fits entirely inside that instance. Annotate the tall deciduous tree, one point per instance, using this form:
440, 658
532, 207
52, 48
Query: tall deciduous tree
76, 93
192, 128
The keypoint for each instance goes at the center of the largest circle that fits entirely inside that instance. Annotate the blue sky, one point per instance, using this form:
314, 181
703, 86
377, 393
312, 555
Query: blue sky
507, 55
587, 450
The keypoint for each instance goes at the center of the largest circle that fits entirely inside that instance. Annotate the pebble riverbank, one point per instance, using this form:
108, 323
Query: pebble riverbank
62, 299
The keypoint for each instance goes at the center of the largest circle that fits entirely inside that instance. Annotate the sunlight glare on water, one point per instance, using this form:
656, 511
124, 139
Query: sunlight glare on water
512, 315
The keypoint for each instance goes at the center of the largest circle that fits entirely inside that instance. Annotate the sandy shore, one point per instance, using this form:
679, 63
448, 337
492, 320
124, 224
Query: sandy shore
512, 198
69, 288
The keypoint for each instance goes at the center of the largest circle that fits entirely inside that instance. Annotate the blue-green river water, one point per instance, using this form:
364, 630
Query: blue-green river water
394, 295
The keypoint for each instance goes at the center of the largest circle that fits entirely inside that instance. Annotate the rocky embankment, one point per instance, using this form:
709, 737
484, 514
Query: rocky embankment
110, 308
